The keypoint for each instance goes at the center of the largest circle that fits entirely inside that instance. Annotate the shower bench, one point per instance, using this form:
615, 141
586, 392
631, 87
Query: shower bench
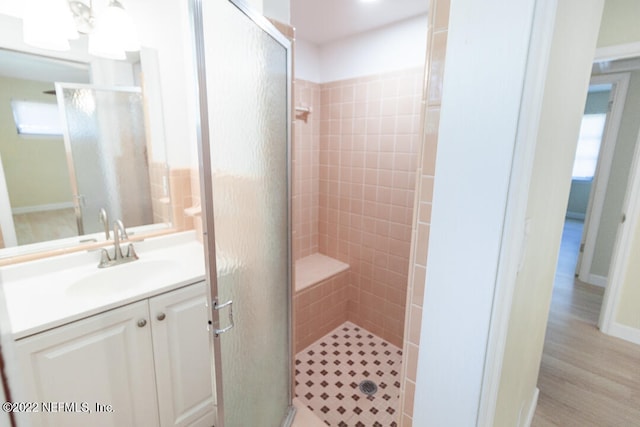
320, 298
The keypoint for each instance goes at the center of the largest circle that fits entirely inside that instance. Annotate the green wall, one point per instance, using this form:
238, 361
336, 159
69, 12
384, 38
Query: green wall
579, 199
620, 23
35, 167
564, 98
627, 311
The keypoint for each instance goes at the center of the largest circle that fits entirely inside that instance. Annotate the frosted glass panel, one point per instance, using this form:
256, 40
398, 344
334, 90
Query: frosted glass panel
247, 99
105, 141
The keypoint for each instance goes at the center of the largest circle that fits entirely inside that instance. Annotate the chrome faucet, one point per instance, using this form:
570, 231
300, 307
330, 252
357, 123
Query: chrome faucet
119, 235
119, 232
104, 219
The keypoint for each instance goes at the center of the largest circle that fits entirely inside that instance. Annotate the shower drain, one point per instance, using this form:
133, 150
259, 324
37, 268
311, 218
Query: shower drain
368, 387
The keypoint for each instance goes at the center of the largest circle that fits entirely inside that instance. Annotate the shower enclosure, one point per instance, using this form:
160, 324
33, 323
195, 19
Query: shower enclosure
106, 149
244, 68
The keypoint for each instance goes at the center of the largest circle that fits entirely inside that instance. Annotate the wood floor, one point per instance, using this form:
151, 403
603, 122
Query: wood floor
42, 226
586, 378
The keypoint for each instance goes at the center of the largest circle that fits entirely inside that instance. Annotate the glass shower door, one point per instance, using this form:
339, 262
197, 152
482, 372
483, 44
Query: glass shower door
245, 102
106, 154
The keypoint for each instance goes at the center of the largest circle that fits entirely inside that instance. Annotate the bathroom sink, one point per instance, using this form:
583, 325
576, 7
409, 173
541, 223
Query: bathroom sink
53, 291
122, 278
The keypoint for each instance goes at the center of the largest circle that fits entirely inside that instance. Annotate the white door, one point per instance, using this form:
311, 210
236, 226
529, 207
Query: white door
101, 368
183, 357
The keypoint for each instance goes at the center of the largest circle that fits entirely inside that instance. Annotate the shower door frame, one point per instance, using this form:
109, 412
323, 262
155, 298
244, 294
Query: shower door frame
206, 191
78, 199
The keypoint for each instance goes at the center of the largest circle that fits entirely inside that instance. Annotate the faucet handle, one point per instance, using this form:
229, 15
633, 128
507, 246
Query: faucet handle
104, 258
131, 252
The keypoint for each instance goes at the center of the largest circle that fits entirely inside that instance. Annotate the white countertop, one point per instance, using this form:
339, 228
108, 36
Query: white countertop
47, 293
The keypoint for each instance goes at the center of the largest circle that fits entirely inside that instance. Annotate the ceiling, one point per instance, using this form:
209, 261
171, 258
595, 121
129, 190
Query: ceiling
323, 21
316, 21
32, 67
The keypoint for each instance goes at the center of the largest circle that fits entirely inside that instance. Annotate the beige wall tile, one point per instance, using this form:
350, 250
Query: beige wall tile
363, 141
419, 275
436, 72
422, 242
306, 161
437, 39
441, 21
412, 362
415, 317
409, 397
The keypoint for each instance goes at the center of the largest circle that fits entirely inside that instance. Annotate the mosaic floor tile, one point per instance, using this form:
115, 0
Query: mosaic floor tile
329, 372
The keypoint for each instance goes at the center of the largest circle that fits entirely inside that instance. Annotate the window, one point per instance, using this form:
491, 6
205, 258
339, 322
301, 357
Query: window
591, 130
36, 118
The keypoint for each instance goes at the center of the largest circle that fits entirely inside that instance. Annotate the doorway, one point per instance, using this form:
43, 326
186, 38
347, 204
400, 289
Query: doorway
592, 132
575, 350
599, 131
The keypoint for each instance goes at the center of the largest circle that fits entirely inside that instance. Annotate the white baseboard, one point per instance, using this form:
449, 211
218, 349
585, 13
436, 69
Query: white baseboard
596, 280
533, 404
42, 208
625, 332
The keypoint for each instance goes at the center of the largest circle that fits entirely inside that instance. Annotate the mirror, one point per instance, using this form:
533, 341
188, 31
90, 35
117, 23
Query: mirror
53, 183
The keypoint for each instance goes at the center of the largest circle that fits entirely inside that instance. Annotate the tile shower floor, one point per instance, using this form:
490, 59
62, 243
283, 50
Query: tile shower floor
329, 371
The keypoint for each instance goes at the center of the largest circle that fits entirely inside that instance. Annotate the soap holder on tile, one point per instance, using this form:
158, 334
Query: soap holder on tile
193, 211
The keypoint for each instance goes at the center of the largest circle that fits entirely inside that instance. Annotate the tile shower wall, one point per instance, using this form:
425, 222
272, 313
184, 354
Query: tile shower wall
306, 152
369, 138
183, 193
319, 309
158, 174
436, 47
182, 197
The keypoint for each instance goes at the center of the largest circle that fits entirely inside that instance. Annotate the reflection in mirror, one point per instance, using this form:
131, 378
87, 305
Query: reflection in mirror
53, 185
107, 154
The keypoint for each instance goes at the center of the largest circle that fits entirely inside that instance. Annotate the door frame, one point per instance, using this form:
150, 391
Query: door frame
7, 227
630, 209
620, 85
516, 223
620, 256
74, 182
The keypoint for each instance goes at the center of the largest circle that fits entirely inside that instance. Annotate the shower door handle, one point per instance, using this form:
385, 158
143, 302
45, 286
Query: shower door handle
217, 306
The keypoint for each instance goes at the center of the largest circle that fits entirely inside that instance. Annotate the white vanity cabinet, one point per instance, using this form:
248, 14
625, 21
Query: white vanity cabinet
182, 362
143, 364
105, 359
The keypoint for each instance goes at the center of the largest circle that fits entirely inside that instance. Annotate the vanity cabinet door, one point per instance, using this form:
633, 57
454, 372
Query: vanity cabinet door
100, 371
182, 357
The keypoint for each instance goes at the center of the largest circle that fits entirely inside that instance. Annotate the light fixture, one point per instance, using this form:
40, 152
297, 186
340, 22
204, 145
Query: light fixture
50, 24
113, 33
47, 24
